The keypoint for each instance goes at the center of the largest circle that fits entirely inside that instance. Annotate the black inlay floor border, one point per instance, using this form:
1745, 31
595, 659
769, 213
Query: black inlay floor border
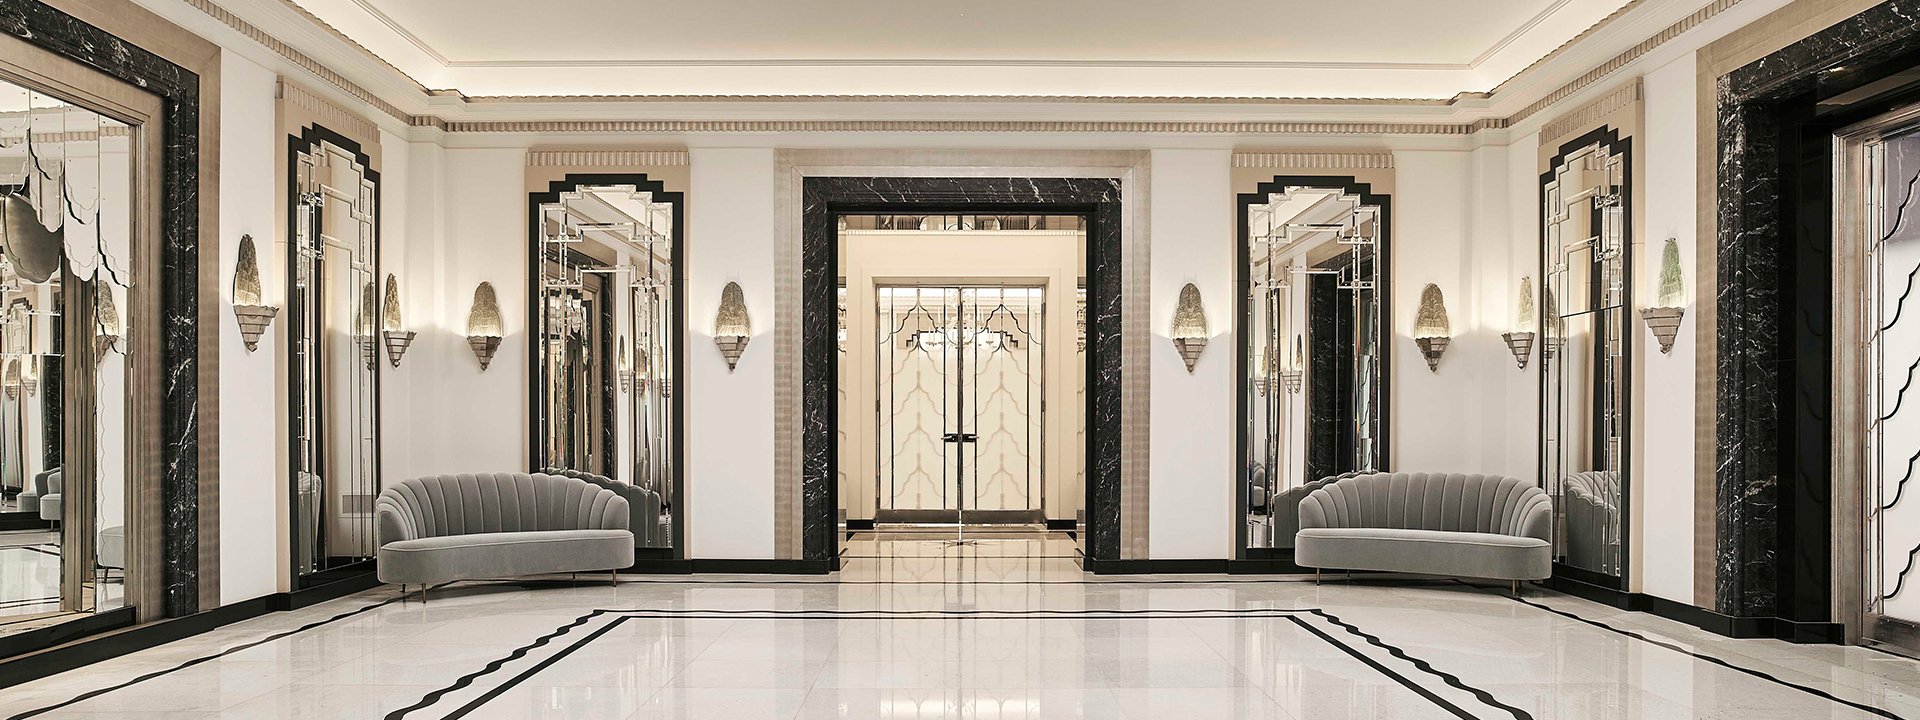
1293, 615
1817, 692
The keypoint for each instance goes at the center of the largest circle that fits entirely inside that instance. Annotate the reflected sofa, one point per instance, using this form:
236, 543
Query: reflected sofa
36, 489
642, 503
1589, 509
1479, 526
52, 490
496, 525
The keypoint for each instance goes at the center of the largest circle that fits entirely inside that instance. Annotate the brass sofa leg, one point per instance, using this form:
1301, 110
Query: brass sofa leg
613, 578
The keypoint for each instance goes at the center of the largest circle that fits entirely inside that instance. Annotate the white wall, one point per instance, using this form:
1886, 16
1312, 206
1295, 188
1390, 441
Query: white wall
252, 516
729, 434
1190, 494
1665, 448
1435, 415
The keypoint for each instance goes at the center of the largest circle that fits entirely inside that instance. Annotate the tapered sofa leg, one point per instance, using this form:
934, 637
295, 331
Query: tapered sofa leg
613, 578
1316, 576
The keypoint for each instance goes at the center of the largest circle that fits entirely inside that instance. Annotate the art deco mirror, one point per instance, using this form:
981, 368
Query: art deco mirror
66, 274
1586, 353
332, 328
606, 361
1314, 281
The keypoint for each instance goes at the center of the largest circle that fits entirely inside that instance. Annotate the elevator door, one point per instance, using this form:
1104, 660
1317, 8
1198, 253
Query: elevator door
961, 382
1886, 198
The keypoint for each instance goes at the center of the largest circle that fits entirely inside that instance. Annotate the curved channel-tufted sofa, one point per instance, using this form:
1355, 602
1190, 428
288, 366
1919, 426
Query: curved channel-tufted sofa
1286, 509
643, 505
1590, 517
1481, 526
496, 525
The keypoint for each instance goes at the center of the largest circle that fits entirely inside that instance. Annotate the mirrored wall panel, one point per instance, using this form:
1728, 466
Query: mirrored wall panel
66, 263
1313, 323
606, 317
1587, 251
333, 324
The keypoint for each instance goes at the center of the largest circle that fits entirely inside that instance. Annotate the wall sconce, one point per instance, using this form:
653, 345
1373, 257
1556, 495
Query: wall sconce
1430, 330
106, 322
484, 327
731, 326
1521, 341
253, 316
398, 340
1664, 318
1293, 375
1189, 330
625, 368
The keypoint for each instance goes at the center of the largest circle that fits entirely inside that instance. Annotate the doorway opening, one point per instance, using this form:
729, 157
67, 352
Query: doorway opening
962, 353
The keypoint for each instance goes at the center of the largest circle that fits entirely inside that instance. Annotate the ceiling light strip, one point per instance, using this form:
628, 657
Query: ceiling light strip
1314, 161
1018, 126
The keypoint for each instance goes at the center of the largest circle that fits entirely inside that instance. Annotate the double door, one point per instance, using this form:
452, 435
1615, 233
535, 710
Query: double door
960, 403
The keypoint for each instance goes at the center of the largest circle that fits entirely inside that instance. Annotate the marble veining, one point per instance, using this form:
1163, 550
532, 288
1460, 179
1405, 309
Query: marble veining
821, 197
179, 93
1751, 251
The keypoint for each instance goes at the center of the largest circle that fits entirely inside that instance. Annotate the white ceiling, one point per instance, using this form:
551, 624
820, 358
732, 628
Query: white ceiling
1232, 48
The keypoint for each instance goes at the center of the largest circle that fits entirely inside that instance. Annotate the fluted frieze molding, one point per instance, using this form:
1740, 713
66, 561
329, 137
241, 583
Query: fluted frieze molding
333, 116
1619, 61
1586, 116
1033, 126
293, 55
606, 158
1314, 161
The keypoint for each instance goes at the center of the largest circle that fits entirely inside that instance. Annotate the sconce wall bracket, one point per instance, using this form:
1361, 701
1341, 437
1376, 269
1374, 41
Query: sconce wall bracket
397, 343
1665, 324
1521, 343
1190, 349
1432, 348
483, 348
254, 320
731, 347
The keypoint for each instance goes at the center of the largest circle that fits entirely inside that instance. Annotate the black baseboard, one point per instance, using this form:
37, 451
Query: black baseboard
317, 594
23, 521
707, 565
866, 524
1793, 631
1266, 566
1068, 524
1149, 567
88, 650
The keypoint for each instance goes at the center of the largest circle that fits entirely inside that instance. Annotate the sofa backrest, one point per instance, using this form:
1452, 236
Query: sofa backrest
1286, 509
1431, 501
442, 505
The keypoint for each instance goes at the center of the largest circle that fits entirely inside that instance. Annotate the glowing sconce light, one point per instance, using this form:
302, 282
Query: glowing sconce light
391, 328
253, 316
731, 326
12, 379
1664, 318
1189, 331
1521, 341
1293, 375
1430, 329
625, 368
484, 327
106, 322
30, 374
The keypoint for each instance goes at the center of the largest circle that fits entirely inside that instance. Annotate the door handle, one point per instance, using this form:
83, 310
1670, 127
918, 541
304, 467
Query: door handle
960, 437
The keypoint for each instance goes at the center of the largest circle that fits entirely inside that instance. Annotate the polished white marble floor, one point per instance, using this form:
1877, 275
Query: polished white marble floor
1002, 629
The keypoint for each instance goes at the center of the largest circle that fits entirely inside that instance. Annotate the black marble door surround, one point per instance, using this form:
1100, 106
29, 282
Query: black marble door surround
179, 132
1773, 479
825, 198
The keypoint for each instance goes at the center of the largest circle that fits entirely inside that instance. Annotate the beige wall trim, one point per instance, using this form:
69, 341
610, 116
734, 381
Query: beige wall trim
1044, 126
605, 158
1591, 114
1316, 161
1619, 61
322, 110
293, 55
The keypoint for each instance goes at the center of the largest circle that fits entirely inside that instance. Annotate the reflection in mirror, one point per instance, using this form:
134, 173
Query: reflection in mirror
1315, 262
1586, 249
604, 370
331, 336
65, 271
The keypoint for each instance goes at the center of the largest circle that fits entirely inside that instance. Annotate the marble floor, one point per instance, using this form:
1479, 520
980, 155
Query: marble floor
1005, 628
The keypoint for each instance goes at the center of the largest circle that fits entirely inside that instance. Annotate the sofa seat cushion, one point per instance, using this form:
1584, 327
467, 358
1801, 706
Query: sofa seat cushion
1431, 552
504, 554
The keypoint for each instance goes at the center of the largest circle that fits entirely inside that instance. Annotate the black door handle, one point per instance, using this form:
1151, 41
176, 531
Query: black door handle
960, 437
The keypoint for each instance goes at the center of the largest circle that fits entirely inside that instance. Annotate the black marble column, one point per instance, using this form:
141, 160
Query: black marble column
1757, 276
825, 197
179, 258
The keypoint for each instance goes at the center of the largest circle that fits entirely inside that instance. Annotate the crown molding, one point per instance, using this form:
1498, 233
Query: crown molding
1314, 161
337, 118
1583, 117
606, 158
1461, 102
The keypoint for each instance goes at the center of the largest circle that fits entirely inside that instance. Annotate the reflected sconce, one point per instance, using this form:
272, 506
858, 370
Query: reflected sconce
30, 374
364, 323
625, 368
1189, 332
1430, 329
397, 339
12, 379
1293, 375
484, 326
107, 323
731, 326
1521, 341
1665, 316
253, 316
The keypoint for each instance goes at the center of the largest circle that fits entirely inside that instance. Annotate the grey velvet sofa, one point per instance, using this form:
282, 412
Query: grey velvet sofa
1589, 518
642, 503
1286, 509
1480, 526
462, 527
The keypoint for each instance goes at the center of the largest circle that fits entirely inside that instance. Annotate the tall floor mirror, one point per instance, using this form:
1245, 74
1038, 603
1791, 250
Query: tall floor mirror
333, 350
1586, 308
66, 292
605, 258
1312, 321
